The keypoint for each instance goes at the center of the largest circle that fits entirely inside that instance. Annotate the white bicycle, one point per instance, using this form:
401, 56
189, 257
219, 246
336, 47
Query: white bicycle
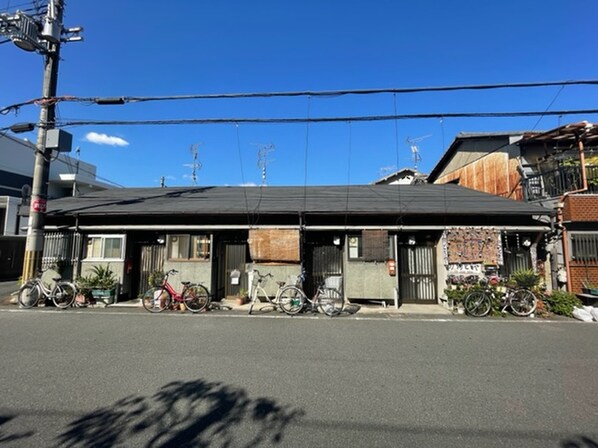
62, 293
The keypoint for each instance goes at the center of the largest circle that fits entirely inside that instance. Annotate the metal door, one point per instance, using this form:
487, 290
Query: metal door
235, 258
417, 267
323, 259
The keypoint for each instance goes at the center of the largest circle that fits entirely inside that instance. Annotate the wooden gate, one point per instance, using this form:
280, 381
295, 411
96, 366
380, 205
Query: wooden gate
417, 267
151, 259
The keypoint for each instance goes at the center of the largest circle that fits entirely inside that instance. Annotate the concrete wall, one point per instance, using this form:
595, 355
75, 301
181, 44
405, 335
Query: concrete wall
281, 273
190, 271
368, 280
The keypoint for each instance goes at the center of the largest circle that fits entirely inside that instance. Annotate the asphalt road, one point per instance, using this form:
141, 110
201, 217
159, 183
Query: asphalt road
107, 378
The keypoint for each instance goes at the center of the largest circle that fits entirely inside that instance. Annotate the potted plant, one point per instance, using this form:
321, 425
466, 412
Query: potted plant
243, 297
103, 283
589, 288
156, 278
526, 278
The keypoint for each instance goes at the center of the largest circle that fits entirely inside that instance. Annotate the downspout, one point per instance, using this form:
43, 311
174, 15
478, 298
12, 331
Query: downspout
584, 187
78, 250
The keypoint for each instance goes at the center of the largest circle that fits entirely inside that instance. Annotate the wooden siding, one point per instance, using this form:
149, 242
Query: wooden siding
279, 245
493, 173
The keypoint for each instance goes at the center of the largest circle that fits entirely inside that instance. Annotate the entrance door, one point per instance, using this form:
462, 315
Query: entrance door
235, 258
417, 267
151, 259
323, 259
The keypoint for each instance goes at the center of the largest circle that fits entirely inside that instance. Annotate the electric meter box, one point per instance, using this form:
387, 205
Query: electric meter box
59, 140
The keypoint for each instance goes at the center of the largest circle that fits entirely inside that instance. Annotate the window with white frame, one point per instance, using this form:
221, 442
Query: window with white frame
105, 247
189, 247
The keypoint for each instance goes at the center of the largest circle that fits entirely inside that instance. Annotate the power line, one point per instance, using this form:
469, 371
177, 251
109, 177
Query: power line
309, 93
333, 93
365, 118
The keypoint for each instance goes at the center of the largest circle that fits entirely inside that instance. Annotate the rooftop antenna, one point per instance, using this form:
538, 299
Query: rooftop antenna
262, 160
196, 165
415, 149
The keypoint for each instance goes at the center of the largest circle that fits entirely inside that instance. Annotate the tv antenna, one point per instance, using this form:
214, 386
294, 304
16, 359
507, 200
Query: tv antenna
413, 142
262, 160
196, 165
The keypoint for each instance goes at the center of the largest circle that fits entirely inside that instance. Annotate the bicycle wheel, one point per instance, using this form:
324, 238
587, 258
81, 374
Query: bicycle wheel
63, 294
156, 300
477, 303
330, 301
523, 302
290, 299
196, 298
29, 295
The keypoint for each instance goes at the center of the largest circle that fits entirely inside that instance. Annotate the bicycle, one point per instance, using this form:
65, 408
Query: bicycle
328, 297
195, 296
257, 290
62, 293
478, 303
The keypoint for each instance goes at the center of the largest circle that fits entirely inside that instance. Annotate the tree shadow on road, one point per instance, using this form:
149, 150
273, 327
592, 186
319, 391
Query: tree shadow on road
8, 438
183, 414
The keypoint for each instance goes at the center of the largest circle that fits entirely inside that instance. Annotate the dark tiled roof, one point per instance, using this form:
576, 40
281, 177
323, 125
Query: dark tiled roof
356, 199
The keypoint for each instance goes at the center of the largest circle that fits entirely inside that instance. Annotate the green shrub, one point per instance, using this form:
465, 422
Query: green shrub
456, 295
155, 278
526, 278
562, 302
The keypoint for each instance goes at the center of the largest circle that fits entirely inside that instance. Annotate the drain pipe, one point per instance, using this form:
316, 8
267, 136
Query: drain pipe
584, 187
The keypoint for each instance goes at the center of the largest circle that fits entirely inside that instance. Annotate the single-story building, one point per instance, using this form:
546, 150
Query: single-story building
388, 242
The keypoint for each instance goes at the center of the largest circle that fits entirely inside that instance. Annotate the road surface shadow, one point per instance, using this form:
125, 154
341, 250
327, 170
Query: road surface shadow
184, 414
8, 438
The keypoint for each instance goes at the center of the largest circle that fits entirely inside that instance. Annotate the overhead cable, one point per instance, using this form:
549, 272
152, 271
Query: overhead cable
291, 120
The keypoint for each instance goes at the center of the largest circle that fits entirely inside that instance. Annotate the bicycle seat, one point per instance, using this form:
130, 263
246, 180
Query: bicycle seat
185, 283
280, 284
57, 279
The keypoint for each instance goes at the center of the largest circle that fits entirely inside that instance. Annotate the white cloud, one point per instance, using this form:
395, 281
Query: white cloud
103, 139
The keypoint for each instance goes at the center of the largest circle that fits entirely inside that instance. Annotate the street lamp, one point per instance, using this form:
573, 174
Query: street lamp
45, 38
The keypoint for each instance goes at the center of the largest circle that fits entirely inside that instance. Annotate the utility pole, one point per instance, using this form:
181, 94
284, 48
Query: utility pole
44, 38
41, 171
262, 161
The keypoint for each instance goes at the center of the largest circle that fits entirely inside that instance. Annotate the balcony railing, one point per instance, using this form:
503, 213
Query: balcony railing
555, 183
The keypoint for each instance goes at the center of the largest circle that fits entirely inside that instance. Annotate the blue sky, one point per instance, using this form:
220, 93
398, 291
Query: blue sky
141, 48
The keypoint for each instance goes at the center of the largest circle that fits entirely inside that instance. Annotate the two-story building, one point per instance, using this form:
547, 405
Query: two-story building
557, 169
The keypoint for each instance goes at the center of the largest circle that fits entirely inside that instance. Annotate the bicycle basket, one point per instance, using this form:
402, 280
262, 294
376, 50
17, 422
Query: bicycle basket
334, 282
257, 281
294, 280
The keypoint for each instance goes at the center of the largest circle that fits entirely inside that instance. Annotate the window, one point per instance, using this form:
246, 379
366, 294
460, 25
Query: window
584, 246
355, 247
371, 245
188, 247
105, 247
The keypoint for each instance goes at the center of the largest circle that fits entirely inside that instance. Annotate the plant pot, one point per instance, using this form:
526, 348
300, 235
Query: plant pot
107, 296
241, 300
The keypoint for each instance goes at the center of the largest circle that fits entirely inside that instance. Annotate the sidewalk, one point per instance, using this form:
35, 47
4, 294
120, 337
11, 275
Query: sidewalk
262, 307
9, 289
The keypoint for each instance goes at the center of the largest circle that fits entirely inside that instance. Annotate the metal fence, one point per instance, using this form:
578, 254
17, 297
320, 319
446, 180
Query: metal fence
555, 183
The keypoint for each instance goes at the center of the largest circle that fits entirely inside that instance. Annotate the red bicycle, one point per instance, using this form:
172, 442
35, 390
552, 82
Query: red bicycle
195, 297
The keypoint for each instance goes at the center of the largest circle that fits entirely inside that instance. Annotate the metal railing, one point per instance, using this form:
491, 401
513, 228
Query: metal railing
555, 183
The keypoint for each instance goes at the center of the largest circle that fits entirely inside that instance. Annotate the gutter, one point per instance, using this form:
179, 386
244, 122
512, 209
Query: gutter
292, 227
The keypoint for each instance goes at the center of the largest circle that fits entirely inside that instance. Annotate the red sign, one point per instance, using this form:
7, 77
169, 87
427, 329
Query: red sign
39, 205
